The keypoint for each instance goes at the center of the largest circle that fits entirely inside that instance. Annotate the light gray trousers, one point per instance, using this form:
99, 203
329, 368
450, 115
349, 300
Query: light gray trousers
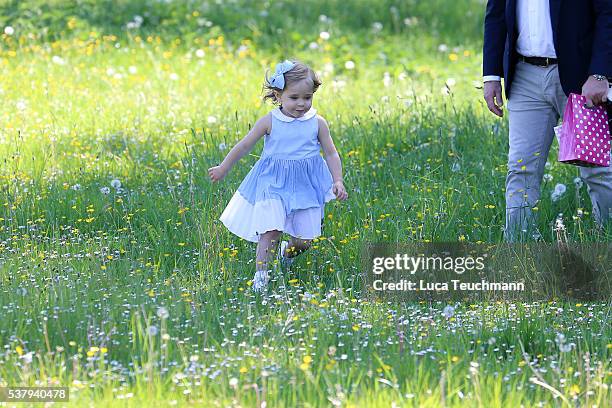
536, 102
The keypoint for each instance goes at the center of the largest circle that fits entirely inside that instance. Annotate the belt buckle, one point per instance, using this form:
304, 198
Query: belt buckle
547, 62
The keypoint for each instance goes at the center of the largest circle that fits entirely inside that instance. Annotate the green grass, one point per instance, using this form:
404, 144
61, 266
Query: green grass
83, 274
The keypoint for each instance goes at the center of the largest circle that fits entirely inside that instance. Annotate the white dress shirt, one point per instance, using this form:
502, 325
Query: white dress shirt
535, 37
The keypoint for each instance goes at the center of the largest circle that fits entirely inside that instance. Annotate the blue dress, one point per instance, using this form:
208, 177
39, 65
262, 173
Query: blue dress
286, 190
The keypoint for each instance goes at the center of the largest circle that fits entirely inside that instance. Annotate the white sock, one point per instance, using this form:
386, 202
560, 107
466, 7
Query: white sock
260, 280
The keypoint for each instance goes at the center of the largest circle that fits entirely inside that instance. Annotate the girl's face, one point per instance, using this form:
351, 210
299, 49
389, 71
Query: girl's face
296, 98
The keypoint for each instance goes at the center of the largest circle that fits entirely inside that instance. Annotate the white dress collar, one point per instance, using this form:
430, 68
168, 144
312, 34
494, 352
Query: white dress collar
281, 116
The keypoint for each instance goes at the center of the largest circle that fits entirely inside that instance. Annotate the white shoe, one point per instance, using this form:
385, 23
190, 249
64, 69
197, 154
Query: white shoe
285, 261
260, 280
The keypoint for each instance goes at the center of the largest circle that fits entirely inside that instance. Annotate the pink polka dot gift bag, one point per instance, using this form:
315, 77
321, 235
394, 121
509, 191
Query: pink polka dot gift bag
584, 136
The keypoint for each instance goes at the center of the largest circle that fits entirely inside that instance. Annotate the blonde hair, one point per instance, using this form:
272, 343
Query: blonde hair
299, 72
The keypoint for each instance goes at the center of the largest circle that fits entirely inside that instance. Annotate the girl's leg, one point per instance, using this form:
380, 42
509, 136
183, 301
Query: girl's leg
296, 246
266, 248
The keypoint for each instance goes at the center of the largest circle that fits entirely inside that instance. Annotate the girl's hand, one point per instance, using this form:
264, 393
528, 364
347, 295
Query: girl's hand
216, 173
339, 190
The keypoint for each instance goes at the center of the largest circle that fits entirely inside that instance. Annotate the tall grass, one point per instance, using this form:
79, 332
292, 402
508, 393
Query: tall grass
117, 279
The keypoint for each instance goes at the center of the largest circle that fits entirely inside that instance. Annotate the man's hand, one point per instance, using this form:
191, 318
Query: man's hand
216, 173
595, 92
493, 96
339, 190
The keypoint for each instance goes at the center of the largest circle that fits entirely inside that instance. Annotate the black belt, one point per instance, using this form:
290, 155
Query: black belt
539, 61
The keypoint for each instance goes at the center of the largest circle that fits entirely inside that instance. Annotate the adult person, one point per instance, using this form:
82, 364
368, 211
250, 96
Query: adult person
544, 50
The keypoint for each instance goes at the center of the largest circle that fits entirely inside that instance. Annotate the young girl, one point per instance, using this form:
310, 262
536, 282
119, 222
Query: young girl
286, 190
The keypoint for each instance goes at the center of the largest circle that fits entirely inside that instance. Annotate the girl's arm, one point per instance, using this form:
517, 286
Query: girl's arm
261, 127
333, 160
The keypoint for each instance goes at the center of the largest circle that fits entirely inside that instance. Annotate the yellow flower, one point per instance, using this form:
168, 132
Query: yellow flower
19, 350
243, 370
454, 359
575, 389
307, 359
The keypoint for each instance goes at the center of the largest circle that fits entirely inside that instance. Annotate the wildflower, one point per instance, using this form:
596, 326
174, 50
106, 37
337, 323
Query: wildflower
559, 190
442, 47
8, 30
105, 190
58, 60
349, 64
222, 146
21, 105
76, 187
377, 27
200, 53
174, 77
547, 177
132, 70
323, 18
450, 82
162, 313
386, 79
563, 346
211, 119
324, 35
448, 311
559, 226
152, 330
313, 45
410, 21
578, 183
116, 184
27, 358
455, 167
233, 382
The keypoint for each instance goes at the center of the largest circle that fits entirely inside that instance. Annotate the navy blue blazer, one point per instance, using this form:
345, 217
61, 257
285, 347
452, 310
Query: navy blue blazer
582, 34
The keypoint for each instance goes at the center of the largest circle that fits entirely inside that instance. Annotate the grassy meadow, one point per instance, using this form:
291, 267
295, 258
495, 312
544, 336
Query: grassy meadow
118, 280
